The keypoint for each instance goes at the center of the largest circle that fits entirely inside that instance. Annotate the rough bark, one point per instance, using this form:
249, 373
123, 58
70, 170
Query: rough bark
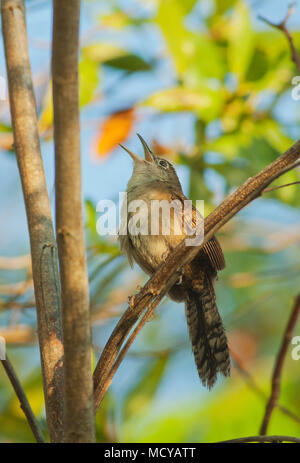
79, 418
42, 240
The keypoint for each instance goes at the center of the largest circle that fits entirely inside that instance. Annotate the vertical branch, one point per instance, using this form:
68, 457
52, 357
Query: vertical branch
79, 417
42, 240
276, 378
11, 374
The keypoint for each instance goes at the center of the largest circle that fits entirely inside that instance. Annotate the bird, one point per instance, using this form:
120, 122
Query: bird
155, 179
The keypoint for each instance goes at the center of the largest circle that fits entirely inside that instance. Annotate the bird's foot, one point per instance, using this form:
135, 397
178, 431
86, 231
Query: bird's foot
164, 256
131, 301
179, 281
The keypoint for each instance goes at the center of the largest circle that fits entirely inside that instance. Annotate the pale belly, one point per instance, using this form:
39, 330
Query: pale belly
152, 236
149, 251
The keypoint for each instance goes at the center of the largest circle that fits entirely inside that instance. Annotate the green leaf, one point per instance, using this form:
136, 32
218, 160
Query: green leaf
258, 154
204, 60
170, 20
13, 423
273, 133
5, 128
205, 102
88, 80
241, 41
186, 5
129, 62
88, 83
102, 51
192, 53
289, 194
258, 66
103, 420
239, 142
46, 116
119, 20
229, 144
114, 56
100, 244
224, 5
91, 218
270, 67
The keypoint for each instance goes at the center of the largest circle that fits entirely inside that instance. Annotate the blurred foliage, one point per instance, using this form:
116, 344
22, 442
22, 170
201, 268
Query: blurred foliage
231, 77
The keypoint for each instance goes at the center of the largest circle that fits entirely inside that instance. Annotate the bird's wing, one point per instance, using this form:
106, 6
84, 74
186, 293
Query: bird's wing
215, 254
212, 249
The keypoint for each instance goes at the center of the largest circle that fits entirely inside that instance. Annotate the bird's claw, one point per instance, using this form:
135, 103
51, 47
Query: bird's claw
131, 301
164, 255
179, 281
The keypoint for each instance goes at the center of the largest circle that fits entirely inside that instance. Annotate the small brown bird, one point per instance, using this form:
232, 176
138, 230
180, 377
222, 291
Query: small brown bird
155, 178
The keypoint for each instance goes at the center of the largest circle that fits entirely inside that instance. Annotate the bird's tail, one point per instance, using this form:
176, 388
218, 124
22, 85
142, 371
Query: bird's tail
209, 342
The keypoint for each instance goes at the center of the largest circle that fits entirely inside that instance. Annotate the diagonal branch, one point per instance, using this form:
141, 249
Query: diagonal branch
282, 27
167, 273
146, 317
42, 240
79, 417
276, 378
32, 421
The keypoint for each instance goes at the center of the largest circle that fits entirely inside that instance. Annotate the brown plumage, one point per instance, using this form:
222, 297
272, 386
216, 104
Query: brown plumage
155, 179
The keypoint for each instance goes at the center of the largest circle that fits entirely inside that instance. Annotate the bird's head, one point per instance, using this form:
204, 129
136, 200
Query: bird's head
151, 169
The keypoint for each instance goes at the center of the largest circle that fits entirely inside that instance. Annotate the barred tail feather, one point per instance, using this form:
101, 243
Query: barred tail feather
209, 342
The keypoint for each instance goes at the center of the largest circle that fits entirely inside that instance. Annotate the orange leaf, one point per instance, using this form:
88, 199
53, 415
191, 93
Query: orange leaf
115, 130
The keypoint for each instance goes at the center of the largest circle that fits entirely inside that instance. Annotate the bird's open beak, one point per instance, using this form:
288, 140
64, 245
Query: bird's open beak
149, 156
131, 154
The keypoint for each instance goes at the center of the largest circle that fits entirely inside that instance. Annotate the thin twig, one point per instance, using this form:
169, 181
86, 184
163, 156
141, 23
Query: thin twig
276, 378
78, 393
274, 439
42, 240
282, 27
267, 190
32, 421
284, 171
175, 262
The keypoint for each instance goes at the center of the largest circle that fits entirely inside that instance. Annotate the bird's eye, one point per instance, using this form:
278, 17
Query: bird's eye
163, 164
